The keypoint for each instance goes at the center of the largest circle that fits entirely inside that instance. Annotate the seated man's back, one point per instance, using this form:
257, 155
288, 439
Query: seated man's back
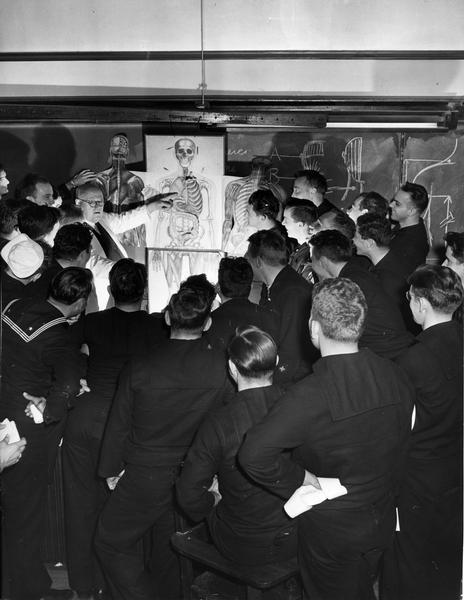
248, 525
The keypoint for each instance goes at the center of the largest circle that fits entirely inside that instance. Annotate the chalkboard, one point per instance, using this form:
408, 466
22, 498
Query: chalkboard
352, 161
355, 161
437, 163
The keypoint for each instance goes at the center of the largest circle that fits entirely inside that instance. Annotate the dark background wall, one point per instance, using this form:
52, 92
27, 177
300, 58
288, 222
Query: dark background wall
352, 161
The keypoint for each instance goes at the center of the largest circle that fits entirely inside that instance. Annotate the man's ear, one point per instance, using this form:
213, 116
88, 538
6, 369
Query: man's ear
314, 330
80, 305
232, 370
277, 360
207, 324
167, 318
424, 304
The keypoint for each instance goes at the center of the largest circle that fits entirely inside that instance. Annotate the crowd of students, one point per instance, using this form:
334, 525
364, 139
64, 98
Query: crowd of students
347, 364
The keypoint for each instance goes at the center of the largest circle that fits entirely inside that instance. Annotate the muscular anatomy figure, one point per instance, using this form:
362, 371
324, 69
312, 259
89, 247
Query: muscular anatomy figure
235, 227
123, 189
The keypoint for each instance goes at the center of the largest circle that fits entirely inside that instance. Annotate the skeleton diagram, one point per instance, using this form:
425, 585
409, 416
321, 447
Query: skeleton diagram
180, 228
123, 189
235, 230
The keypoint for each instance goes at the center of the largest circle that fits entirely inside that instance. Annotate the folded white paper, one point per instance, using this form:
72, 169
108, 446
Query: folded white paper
8, 428
36, 414
307, 496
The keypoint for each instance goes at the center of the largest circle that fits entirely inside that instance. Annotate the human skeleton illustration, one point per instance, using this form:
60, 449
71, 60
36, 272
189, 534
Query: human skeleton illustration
235, 229
180, 227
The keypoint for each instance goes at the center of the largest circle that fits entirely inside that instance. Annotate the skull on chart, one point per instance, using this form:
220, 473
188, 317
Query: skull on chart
185, 150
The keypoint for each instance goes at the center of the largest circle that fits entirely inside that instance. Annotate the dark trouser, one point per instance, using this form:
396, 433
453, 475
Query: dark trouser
425, 561
84, 493
339, 550
256, 550
24, 495
142, 500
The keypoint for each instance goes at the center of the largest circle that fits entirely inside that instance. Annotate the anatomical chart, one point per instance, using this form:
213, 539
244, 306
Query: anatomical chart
192, 167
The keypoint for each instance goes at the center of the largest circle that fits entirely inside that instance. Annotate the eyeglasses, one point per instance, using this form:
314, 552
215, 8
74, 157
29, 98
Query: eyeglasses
92, 203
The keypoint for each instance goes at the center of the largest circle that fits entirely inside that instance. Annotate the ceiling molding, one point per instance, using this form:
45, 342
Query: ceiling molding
196, 55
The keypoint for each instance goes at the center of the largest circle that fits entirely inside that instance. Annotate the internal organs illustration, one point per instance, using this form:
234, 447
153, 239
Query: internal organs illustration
180, 227
123, 189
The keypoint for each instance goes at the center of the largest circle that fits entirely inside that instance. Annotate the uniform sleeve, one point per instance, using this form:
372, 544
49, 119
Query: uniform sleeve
261, 455
201, 465
118, 427
61, 355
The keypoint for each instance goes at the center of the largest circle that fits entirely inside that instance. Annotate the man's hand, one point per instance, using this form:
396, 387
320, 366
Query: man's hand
160, 202
83, 387
11, 453
112, 482
38, 401
84, 176
214, 489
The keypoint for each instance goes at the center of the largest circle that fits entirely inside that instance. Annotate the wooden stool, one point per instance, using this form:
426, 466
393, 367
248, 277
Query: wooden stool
255, 578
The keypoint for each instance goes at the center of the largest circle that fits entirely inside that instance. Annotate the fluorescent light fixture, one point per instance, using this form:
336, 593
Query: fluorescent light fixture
379, 125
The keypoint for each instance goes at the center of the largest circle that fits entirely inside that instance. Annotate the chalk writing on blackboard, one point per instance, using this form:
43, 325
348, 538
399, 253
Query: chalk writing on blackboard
439, 214
312, 151
352, 159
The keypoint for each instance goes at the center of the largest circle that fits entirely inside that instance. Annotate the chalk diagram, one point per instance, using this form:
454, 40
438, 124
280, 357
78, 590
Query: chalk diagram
352, 159
445, 199
313, 151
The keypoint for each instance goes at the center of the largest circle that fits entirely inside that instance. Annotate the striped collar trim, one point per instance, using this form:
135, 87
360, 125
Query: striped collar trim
23, 334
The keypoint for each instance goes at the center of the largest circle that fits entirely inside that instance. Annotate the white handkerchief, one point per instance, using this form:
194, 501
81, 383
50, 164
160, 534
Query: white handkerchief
307, 496
9, 429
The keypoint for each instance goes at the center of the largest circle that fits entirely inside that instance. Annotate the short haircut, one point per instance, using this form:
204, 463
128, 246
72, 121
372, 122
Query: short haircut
455, 240
235, 277
26, 186
189, 308
91, 186
253, 352
418, 195
373, 227
200, 282
128, 280
336, 219
339, 306
9, 210
331, 244
441, 286
70, 213
314, 179
303, 213
71, 284
374, 203
270, 246
71, 240
36, 221
264, 203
